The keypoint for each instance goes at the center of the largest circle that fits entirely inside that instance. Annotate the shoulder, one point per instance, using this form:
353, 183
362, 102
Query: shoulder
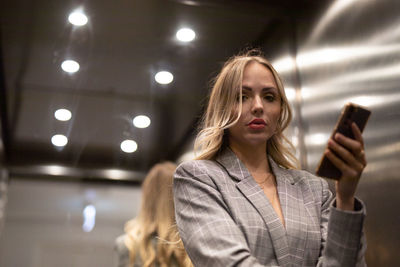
120, 243
310, 179
305, 177
195, 174
298, 177
121, 250
198, 168
316, 185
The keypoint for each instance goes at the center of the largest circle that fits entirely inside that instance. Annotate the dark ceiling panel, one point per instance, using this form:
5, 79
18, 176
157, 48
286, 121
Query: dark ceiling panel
121, 48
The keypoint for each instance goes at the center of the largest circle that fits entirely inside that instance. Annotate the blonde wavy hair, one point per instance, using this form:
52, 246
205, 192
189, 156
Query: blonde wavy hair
156, 218
220, 114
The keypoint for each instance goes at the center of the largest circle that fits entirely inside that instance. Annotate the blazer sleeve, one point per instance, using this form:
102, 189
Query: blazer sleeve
343, 241
208, 232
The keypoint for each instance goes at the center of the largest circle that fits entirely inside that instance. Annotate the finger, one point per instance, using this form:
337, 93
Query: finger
353, 145
358, 136
357, 133
354, 161
341, 165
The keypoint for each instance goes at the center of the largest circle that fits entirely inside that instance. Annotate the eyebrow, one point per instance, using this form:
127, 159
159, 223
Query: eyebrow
266, 89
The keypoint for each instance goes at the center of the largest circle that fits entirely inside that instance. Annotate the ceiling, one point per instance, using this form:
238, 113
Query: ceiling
123, 46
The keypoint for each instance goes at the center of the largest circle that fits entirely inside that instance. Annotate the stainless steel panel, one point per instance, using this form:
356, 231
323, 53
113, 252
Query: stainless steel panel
351, 53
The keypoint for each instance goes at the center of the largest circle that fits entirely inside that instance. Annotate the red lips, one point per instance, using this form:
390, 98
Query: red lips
257, 124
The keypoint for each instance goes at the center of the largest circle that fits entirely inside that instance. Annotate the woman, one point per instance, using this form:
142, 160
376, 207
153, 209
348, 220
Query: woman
151, 238
242, 202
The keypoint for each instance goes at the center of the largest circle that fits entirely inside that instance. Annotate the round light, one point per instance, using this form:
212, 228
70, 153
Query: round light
185, 35
59, 140
70, 66
164, 77
141, 121
63, 114
77, 18
128, 146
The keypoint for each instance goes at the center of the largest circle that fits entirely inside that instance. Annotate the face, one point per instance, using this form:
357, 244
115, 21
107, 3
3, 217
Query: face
261, 107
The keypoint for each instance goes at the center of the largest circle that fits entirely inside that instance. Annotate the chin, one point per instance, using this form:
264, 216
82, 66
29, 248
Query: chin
257, 141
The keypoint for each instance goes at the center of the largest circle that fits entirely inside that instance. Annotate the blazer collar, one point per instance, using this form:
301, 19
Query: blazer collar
236, 168
233, 165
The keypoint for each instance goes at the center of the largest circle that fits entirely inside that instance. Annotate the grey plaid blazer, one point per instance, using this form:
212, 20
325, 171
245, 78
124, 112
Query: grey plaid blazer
225, 219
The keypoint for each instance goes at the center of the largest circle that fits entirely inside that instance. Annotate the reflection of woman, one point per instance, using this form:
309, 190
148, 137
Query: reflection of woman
243, 203
151, 238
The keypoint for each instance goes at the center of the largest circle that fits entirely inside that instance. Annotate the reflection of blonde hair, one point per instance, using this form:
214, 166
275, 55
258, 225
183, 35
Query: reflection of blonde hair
156, 219
220, 114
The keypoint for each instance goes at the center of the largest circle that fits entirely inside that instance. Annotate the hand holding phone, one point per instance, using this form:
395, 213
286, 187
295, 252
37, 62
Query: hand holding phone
350, 113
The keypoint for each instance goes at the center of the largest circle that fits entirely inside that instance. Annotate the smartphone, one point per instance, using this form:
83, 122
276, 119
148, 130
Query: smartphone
350, 113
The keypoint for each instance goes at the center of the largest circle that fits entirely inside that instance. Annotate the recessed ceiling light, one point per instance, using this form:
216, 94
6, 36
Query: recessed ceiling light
164, 77
70, 66
141, 121
77, 18
63, 114
59, 140
185, 35
128, 146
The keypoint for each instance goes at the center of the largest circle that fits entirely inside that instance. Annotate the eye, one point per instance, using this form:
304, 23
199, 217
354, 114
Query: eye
244, 97
269, 97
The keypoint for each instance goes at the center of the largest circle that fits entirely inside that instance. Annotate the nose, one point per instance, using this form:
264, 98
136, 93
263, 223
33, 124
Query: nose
257, 106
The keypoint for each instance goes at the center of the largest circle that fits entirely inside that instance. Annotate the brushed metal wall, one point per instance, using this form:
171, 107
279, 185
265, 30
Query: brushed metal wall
351, 52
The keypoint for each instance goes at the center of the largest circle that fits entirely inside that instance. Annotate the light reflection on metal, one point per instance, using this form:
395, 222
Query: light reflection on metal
337, 55
367, 101
4, 181
89, 218
306, 92
385, 150
316, 139
290, 93
337, 8
75, 172
352, 56
116, 174
380, 73
55, 170
284, 64
317, 108
390, 33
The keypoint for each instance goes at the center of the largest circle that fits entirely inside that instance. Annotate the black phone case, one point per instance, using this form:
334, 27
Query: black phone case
350, 113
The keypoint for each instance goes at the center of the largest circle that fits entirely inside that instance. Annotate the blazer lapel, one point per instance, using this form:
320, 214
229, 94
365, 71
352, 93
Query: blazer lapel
253, 192
292, 203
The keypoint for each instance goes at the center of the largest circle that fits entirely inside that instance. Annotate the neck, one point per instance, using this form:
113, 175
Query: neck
254, 158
